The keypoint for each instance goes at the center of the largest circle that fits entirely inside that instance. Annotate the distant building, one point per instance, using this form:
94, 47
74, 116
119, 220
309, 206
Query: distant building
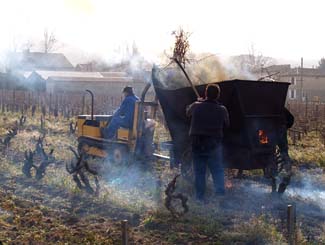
8, 81
84, 67
53, 73
306, 83
114, 74
74, 81
29, 61
44, 75
98, 85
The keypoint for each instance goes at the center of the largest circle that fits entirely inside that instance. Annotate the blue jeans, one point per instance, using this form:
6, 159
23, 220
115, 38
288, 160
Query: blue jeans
114, 125
213, 160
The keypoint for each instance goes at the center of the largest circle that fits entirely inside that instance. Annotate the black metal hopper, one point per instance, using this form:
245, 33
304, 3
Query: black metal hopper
255, 108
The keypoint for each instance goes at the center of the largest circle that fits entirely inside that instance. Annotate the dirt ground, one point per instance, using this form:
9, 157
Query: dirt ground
54, 211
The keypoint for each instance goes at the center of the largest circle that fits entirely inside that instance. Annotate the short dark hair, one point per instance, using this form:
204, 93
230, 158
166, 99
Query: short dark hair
212, 91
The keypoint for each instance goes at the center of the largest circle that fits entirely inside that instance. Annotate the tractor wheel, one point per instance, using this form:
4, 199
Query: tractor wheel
120, 154
82, 147
187, 166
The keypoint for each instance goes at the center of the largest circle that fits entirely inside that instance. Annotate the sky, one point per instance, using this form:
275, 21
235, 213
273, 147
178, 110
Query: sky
284, 29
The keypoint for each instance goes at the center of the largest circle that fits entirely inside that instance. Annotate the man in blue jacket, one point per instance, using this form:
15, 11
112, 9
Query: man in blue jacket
123, 116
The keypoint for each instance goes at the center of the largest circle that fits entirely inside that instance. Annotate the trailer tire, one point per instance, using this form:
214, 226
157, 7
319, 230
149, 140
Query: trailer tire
187, 168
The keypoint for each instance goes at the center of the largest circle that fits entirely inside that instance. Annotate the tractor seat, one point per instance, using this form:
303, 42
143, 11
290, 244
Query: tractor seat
123, 133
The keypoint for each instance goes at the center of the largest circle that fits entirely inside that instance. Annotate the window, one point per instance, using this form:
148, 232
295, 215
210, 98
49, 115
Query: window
293, 80
292, 94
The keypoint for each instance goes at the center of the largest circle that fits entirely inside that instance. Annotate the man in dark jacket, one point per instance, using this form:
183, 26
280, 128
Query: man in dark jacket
208, 119
123, 116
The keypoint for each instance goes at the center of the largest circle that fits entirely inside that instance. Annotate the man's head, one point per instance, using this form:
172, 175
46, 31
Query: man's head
212, 91
128, 90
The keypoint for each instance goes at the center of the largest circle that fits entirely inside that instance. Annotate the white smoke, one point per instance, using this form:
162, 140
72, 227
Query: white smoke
311, 189
135, 184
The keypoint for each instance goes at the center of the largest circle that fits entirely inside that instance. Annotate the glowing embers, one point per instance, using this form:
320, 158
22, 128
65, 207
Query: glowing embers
228, 184
263, 137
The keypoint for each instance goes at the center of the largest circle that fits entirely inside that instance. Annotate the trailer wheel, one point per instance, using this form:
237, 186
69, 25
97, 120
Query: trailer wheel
187, 168
284, 164
279, 169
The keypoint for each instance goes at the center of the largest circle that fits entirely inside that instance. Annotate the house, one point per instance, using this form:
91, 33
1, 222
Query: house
84, 67
75, 81
29, 61
98, 85
44, 75
306, 83
53, 73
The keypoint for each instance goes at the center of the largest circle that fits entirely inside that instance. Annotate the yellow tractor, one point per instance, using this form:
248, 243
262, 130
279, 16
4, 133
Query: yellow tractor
129, 143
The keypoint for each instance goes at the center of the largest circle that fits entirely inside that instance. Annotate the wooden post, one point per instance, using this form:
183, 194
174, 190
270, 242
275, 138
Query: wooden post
124, 227
13, 101
28, 99
2, 102
306, 112
50, 105
291, 224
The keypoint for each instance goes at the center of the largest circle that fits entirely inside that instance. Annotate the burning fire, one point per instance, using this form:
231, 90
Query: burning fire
228, 184
263, 137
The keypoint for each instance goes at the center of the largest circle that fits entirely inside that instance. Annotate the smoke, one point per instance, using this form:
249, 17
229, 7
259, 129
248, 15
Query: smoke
202, 69
306, 193
134, 185
311, 189
87, 29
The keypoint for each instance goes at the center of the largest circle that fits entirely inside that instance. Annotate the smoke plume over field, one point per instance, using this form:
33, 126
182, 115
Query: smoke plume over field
207, 69
310, 188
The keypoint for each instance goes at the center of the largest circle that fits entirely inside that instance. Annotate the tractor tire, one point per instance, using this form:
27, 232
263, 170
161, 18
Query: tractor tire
120, 154
82, 146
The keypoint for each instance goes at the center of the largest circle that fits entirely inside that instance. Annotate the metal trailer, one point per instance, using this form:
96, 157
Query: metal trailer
255, 110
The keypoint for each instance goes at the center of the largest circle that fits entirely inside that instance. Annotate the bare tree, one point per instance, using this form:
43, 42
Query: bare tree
258, 60
27, 46
49, 42
321, 64
253, 61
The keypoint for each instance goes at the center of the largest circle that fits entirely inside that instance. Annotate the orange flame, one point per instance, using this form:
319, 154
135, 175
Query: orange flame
263, 137
228, 184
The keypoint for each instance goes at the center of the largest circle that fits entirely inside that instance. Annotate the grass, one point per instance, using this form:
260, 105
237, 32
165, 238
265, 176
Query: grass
202, 225
310, 150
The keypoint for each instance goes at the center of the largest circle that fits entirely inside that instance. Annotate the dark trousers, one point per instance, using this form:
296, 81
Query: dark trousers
208, 154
